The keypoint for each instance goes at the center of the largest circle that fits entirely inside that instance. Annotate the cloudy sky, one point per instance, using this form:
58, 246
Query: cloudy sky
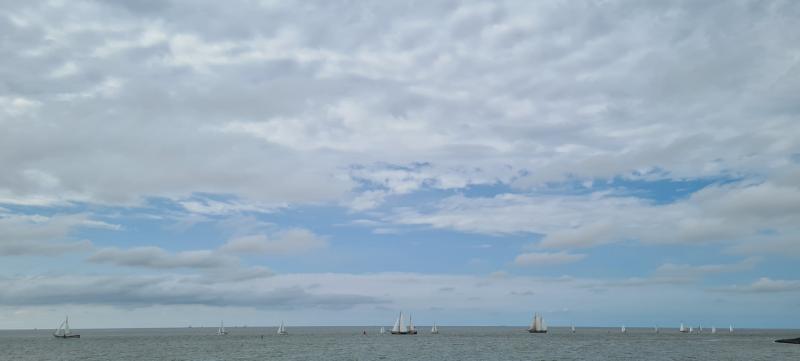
174, 163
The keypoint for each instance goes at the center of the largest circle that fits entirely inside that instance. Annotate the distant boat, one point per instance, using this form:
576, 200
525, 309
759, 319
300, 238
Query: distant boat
623, 330
713, 329
572, 328
221, 330
401, 329
383, 330
691, 329
63, 330
683, 328
700, 328
434, 329
537, 324
282, 329
656, 329
730, 328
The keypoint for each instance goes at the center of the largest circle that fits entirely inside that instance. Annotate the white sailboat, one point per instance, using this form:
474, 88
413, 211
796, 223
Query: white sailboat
63, 330
221, 330
400, 328
282, 329
623, 330
383, 330
434, 329
572, 328
691, 329
700, 328
537, 324
730, 329
713, 329
683, 328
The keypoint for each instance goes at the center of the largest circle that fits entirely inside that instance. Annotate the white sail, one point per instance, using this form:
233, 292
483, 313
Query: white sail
282, 329
730, 328
66, 326
544, 325
383, 330
403, 327
656, 329
691, 329
533, 322
622, 329
397, 323
60, 329
683, 328
434, 329
713, 329
410, 325
573, 328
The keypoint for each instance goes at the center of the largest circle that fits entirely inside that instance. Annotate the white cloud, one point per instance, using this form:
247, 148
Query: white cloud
542, 259
765, 285
285, 242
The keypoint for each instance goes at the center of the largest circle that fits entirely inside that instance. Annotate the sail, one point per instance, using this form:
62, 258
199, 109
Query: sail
730, 328
66, 326
410, 324
401, 327
573, 328
533, 322
544, 325
60, 329
713, 329
383, 330
682, 329
622, 329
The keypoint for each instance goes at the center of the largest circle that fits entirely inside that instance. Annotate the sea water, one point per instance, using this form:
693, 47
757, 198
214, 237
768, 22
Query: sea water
348, 343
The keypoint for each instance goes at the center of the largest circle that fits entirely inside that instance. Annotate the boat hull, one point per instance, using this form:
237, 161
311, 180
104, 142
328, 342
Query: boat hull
67, 336
537, 331
404, 333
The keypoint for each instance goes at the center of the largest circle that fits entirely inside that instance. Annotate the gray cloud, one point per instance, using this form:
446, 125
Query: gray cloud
155, 257
165, 290
45, 235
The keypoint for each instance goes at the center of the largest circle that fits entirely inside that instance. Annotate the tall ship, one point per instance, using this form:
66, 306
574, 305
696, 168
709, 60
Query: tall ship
537, 324
63, 330
400, 328
221, 330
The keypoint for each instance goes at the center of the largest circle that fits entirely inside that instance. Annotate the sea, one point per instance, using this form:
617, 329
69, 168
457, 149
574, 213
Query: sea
348, 343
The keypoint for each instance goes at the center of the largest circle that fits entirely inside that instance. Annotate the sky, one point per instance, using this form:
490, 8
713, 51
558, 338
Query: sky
176, 163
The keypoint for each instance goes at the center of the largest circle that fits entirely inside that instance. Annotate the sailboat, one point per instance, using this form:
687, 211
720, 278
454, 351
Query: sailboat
623, 330
411, 329
691, 329
572, 328
383, 330
400, 329
282, 329
700, 328
537, 324
221, 330
656, 329
683, 328
63, 330
730, 328
713, 329
434, 329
